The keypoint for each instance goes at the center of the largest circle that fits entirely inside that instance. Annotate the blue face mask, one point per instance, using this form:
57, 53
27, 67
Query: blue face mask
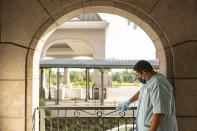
142, 81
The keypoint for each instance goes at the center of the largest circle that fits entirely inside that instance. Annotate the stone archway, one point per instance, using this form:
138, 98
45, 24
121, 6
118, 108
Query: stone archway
170, 24
146, 23
87, 44
141, 19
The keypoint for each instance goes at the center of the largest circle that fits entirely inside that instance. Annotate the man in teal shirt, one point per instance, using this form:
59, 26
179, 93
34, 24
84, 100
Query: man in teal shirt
156, 108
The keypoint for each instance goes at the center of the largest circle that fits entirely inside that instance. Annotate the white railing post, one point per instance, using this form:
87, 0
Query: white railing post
42, 120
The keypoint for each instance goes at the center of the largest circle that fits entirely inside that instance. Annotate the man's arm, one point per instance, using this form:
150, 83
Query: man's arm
135, 97
125, 105
156, 121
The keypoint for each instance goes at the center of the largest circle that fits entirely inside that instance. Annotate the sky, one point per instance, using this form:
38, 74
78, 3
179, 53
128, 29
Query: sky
125, 42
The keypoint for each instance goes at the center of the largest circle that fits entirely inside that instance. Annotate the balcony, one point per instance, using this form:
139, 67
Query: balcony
87, 118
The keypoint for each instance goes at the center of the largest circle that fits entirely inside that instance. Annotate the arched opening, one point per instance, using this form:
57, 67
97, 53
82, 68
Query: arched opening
131, 13
67, 48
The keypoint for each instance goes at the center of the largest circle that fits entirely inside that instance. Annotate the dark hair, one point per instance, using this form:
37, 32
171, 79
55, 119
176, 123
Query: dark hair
143, 65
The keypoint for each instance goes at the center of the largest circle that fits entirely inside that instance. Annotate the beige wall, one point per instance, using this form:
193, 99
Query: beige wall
94, 38
170, 24
92, 35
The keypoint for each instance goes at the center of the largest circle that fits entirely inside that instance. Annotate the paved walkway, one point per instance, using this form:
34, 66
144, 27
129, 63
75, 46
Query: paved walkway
114, 97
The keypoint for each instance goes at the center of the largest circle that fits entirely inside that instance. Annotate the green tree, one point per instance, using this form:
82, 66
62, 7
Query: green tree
124, 76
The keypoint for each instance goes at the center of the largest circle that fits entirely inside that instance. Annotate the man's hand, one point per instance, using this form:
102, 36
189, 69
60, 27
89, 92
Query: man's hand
123, 106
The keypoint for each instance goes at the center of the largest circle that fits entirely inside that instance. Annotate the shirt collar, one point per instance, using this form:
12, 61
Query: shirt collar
151, 79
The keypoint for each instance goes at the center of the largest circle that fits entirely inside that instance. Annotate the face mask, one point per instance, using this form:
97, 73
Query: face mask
142, 81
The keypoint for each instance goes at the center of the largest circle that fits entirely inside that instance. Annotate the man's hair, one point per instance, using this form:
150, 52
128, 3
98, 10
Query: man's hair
143, 65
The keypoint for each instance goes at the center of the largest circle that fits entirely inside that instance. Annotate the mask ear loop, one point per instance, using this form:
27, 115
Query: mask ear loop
141, 74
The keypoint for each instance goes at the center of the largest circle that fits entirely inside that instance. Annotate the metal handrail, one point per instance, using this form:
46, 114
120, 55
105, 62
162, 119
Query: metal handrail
80, 108
92, 114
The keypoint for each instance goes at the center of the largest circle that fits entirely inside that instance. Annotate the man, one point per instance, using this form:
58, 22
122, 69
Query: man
156, 108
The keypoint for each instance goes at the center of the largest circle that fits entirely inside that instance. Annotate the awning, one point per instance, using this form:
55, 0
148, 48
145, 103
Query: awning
92, 63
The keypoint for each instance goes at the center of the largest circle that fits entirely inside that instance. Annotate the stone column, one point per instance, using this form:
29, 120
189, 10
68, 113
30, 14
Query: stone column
19, 92
97, 78
97, 81
185, 81
41, 90
109, 75
66, 78
43, 86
